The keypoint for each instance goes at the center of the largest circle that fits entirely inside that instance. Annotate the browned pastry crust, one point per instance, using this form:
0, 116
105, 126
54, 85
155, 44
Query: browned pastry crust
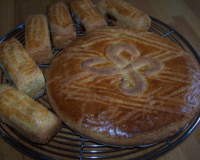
22, 69
27, 116
88, 15
125, 87
120, 13
37, 39
61, 24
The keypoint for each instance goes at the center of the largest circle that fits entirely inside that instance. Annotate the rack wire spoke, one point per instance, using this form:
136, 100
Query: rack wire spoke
68, 143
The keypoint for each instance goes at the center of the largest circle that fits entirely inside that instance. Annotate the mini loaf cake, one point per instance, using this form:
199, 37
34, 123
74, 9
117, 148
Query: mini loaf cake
21, 68
61, 24
87, 14
37, 39
124, 87
120, 13
27, 116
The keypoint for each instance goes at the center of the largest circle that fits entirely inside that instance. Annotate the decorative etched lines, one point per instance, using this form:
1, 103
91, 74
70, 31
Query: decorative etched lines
113, 51
86, 65
124, 67
155, 65
137, 80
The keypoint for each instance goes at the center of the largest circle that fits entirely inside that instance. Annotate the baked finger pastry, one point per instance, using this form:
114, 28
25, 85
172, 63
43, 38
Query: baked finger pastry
88, 16
37, 39
124, 87
21, 68
61, 24
120, 13
27, 116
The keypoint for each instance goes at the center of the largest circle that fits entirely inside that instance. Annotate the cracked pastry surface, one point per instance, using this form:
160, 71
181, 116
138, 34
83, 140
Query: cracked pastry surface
27, 116
21, 67
37, 39
87, 14
61, 24
120, 13
124, 87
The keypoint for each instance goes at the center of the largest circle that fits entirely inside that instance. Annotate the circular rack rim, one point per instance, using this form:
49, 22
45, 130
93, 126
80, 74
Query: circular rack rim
157, 27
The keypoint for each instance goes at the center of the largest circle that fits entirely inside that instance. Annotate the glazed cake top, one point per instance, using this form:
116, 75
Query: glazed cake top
125, 87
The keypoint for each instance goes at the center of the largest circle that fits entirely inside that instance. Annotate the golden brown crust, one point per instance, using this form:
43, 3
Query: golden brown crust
87, 13
61, 24
22, 69
120, 13
37, 39
83, 87
27, 116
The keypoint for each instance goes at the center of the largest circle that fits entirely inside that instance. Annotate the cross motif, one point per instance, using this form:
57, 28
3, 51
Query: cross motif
124, 67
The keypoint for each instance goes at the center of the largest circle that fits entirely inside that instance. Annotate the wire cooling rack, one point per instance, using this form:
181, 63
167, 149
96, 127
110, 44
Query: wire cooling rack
68, 144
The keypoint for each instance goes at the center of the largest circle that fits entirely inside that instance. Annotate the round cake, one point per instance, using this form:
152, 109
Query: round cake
124, 87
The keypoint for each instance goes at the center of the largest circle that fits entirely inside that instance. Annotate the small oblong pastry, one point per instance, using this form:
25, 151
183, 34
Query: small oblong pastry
21, 67
37, 39
27, 116
88, 15
124, 87
61, 24
120, 13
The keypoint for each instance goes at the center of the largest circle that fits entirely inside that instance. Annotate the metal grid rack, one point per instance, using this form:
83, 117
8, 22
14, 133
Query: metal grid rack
69, 144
